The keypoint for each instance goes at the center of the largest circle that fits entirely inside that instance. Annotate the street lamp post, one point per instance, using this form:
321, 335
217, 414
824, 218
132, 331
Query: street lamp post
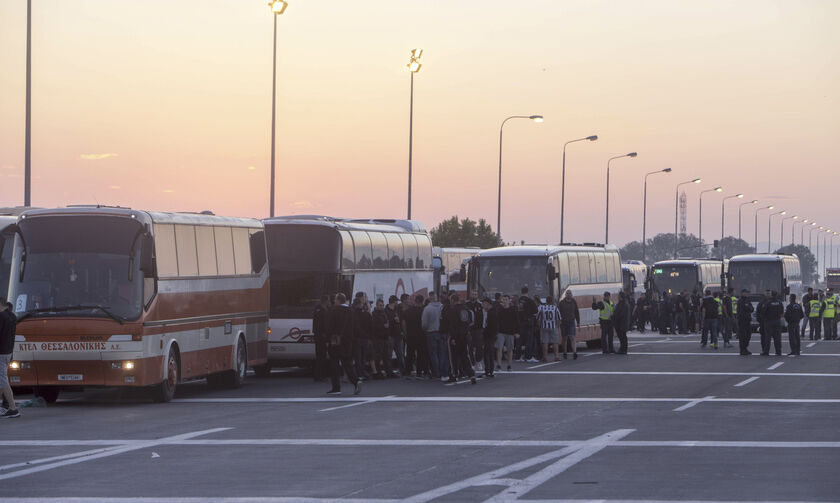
563, 183
27, 143
723, 209
740, 207
413, 67
782, 230
793, 230
756, 225
825, 248
535, 118
811, 237
677, 208
644, 213
700, 210
277, 8
607, 223
769, 219
802, 232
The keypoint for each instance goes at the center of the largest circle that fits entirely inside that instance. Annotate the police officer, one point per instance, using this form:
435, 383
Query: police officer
732, 303
774, 309
606, 309
806, 305
815, 307
745, 309
793, 315
829, 311
721, 324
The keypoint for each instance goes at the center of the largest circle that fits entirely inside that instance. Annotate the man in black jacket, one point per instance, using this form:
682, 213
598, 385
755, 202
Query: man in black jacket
340, 349
476, 341
745, 309
774, 310
793, 316
459, 318
8, 322
621, 320
491, 331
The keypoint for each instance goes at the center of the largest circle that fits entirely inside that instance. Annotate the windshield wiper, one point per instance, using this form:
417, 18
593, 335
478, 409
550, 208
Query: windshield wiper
78, 307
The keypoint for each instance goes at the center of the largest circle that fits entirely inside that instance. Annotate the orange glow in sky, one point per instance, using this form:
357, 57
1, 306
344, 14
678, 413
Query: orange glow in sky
165, 105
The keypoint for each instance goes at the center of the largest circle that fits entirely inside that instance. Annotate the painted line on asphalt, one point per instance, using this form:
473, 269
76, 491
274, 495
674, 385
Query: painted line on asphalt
775, 366
543, 365
295, 499
667, 373
464, 381
746, 381
105, 453
811, 345
693, 403
354, 404
711, 353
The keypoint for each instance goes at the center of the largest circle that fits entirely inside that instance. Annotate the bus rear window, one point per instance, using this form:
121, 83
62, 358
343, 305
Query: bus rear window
303, 248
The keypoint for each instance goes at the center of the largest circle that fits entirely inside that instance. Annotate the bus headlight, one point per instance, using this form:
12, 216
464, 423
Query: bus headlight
128, 365
14, 365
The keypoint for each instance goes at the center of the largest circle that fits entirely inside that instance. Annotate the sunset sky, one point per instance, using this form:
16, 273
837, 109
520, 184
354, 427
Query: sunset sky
166, 105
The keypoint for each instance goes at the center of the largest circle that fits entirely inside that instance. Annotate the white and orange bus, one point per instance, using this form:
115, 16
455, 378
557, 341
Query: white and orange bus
118, 297
586, 270
450, 266
311, 256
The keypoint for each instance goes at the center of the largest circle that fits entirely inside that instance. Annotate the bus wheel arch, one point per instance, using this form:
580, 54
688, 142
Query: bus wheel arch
171, 375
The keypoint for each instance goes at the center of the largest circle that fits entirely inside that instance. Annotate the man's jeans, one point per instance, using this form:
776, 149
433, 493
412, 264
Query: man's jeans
709, 326
399, 348
438, 353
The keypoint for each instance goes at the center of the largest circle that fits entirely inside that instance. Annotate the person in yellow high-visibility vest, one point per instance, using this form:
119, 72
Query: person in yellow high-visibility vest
836, 298
815, 308
733, 311
606, 309
721, 324
829, 310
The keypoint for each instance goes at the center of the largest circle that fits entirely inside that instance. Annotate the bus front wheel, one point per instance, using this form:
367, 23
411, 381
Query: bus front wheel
49, 394
165, 391
235, 377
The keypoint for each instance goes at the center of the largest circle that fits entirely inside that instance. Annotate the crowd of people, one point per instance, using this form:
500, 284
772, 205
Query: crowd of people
445, 339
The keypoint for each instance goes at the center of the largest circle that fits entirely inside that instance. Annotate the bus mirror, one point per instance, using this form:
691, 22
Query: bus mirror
147, 263
552, 273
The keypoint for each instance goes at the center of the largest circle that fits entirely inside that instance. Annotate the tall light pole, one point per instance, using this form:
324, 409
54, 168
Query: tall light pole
563, 183
825, 248
677, 209
700, 210
535, 118
723, 209
607, 223
810, 234
811, 237
413, 67
644, 213
277, 8
27, 142
769, 219
793, 231
741, 207
756, 225
782, 230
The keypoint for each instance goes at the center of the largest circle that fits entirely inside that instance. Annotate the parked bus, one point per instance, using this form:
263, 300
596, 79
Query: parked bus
760, 272
311, 256
634, 276
118, 297
832, 279
586, 270
674, 276
450, 266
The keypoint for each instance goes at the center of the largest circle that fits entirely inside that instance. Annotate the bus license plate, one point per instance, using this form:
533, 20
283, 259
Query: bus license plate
70, 377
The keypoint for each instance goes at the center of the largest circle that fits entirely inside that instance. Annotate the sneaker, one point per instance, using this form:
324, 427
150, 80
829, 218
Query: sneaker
11, 413
358, 388
444, 379
574, 356
334, 392
508, 368
473, 380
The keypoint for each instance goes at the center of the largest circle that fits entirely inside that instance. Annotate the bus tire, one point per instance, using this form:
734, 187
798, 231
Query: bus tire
235, 378
165, 391
593, 344
48, 393
263, 370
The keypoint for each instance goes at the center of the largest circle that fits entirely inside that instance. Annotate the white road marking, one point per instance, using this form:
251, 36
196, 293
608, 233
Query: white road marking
746, 381
811, 345
669, 373
294, 499
500, 472
102, 453
693, 403
635, 345
543, 365
712, 353
522, 487
371, 400
775, 366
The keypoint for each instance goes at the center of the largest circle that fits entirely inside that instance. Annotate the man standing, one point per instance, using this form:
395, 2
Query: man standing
829, 310
759, 312
793, 315
392, 312
621, 319
745, 309
438, 354
460, 319
815, 307
476, 332
569, 318
709, 315
508, 332
773, 312
642, 312
382, 348
606, 309
490, 330
547, 317
732, 301
806, 305
340, 348
319, 331
415, 339
8, 322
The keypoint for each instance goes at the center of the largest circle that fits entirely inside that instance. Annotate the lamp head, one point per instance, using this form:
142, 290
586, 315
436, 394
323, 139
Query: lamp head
783, 212
416, 53
592, 138
718, 189
536, 118
754, 201
414, 66
278, 6
795, 217
666, 170
632, 154
414, 61
739, 196
697, 180
813, 224
769, 207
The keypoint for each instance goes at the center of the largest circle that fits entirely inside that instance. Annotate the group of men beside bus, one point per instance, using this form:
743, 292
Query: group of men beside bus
435, 338
821, 314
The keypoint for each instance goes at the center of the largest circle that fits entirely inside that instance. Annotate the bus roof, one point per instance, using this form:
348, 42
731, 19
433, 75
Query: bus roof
762, 257
540, 251
376, 224
468, 249
147, 216
687, 261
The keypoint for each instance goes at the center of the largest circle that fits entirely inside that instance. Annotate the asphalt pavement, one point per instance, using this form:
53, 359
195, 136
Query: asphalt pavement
671, 421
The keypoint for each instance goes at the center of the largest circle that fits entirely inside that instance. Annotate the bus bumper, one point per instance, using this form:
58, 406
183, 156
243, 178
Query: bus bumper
81, 373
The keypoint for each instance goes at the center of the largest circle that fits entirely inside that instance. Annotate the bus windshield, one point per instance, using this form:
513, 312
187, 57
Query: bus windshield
756, 276
295, 294
7, 241
675, 278
78, 266
507, 275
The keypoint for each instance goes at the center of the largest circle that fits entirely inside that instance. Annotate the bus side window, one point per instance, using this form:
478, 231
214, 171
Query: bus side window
364, 255
574, 269
424, 245
206, 245
348, 257
563, 269
167, 260
241, 251
410, 247
224, 251
583, 264
395, 251
601, 266
186, 252
380, 250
